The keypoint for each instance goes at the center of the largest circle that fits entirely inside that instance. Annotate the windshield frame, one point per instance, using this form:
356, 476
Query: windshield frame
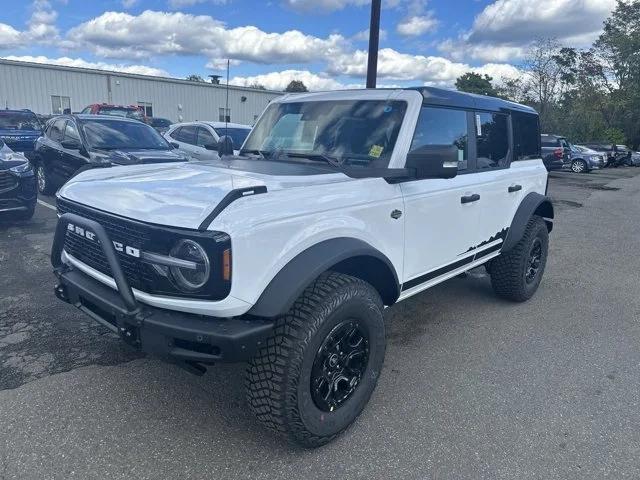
122, 120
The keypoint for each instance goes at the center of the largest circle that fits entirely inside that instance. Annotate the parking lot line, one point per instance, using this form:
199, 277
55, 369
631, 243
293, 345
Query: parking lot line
48, 205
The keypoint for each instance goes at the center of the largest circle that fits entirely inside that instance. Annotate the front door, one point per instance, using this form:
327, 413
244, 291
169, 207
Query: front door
442, 215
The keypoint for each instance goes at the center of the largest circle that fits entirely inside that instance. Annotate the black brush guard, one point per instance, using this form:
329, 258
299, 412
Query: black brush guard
187, 339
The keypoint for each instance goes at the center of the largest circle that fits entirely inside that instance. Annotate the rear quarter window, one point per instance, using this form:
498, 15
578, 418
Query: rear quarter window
526, 136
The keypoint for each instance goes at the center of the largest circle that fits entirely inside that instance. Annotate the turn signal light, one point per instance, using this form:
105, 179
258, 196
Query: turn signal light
226, 265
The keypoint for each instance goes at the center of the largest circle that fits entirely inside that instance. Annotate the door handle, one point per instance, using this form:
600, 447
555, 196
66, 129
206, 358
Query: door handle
515, 188
470, 198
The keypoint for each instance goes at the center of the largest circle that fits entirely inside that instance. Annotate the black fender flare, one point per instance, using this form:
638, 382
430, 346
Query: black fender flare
533, 204
289, 283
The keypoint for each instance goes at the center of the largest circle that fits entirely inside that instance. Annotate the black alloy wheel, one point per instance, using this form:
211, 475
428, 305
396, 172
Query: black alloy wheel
339, 365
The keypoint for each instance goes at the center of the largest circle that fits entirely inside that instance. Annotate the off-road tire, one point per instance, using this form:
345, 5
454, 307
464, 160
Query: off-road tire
43, 179
278, 379
508, 270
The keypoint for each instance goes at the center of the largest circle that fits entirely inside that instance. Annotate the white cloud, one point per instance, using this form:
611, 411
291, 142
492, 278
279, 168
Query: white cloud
9, 37
417, 25
279, 80
79, 62
121, 35
41, 25
506, 28
395, 65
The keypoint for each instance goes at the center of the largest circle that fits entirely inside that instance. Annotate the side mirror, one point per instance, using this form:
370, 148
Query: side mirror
174, 144
70, 145
225, 146
433, 161
211, 146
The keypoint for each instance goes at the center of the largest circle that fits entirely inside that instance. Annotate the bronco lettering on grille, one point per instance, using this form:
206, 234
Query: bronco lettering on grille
120, 247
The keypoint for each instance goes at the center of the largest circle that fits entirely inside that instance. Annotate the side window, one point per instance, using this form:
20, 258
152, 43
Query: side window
492, 133
548, 142
188, 134
443, 126
57, 130
176, 133
526, 136
70, 132
86, 110
204, 137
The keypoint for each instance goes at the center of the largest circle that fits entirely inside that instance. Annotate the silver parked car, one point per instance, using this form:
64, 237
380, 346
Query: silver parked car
200, 139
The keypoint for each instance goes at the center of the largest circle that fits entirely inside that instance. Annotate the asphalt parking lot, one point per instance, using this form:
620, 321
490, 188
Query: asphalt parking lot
473, 387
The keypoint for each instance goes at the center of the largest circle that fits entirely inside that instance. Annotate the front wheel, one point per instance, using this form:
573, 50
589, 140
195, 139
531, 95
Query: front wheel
45, 186
516, 274
579, 166
318, 370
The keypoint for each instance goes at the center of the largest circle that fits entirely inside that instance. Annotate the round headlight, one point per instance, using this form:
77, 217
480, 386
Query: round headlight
190, 279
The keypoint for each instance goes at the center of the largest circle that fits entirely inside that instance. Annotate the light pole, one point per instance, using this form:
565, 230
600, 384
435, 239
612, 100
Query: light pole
374, 41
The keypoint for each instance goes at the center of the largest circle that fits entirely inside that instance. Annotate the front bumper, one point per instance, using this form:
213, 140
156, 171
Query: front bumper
173, 336
20, 197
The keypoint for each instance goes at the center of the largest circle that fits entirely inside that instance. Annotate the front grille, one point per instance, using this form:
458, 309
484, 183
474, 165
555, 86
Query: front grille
7, 181
148, 238
120, 230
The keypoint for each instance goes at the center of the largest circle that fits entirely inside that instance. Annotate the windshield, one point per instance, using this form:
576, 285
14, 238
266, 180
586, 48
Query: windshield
19, 121
358, 132
121, 112
238, 135
121, 135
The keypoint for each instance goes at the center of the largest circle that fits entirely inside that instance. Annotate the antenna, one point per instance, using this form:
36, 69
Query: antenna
226, 108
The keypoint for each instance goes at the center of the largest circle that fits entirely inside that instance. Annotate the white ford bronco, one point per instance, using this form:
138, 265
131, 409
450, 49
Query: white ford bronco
285, 255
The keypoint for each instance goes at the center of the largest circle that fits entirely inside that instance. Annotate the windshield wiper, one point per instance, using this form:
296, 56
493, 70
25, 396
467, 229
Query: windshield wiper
255, 152
334, 162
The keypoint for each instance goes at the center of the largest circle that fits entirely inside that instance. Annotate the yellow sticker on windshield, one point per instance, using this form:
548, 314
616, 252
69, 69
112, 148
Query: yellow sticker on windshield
376, 151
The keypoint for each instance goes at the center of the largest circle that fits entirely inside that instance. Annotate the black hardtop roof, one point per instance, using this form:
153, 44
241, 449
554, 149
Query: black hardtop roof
454, 98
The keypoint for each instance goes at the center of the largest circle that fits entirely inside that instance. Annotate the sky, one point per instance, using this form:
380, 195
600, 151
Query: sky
271, 42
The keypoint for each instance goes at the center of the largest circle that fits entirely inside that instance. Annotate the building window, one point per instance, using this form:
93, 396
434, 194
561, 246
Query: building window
147, 108
221, 116
60, 105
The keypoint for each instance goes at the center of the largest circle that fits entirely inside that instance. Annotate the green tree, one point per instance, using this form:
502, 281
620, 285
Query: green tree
194, 77
296, 86
472, 82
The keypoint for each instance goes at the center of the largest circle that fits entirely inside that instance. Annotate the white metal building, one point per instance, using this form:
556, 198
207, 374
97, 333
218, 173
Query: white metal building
50, 89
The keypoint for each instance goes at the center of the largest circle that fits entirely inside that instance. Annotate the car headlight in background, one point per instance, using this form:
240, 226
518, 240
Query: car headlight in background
22, 168
197, 270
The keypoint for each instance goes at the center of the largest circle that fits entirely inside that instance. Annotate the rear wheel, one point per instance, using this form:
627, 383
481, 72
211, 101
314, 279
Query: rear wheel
579, 166
45, 187
516, 274
317, 372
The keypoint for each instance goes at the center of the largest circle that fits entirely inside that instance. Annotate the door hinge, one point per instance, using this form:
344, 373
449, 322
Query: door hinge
396, 214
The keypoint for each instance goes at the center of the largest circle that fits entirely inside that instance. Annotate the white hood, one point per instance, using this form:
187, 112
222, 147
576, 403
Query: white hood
177, 194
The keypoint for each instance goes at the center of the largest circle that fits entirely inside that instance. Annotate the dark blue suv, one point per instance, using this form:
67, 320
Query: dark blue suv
18, 193
20, 129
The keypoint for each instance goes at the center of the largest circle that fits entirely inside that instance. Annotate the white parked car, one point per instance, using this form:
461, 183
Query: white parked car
339, 204
200, 139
